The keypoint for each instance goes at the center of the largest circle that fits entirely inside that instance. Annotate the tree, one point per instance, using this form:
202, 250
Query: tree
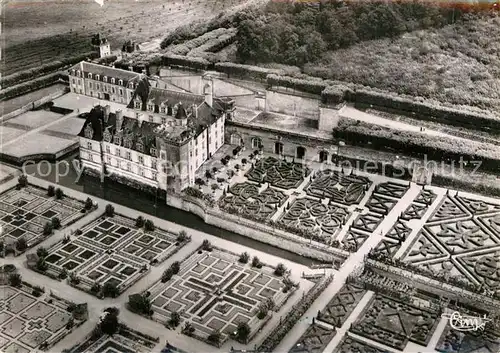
15, 280
41, 264
206, 245
21, 244
109, 323
89, 203
56, 223
280, 270
42, 252
22, 181
244, 257
208, 175
73, 279
48, 228
59, 193
255, 262
139, 222
96, 288
51, 191
140, 304
110, 290
188, 329
167, 275
149, 226
242, 332
176, 266
214, 338
110, 210
224, 161
63, 274
181, 236
2, 248
244, 161
175, 319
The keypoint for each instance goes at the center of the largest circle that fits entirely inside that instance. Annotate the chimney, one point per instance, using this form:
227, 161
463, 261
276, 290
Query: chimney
130, 68
119, 120
107, 110
208, 92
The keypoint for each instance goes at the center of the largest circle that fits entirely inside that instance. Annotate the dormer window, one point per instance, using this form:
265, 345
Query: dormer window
78, 73
131, 85
140, 147
112, 80
162, 110
120, 82
116, 140
107, 136
151, 107
89, 132
105, 79
97, 77
154, 152
73, 72
127, 143
137, 105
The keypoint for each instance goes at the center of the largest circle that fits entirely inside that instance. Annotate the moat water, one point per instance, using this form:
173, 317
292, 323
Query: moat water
129, 197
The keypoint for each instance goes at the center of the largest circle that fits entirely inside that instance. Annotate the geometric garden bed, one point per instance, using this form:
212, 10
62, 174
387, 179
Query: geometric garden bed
214, 292
109, 250
25, 212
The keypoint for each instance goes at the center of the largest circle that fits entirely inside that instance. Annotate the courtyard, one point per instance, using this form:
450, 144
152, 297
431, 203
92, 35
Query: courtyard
30, 322
110, 250
215, 292
25, 212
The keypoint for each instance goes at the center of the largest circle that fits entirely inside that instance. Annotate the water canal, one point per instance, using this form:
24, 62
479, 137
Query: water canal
129, 197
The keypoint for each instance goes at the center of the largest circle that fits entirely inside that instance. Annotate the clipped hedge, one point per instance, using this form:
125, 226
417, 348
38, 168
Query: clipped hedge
33, 85
191, 62
336, 94
209, 37
107, 59
215, 44
314, 86
245, 71
32, 73
477, 120
418, 144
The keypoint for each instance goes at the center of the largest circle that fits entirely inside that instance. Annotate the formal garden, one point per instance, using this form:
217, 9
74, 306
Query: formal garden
215, 295
278, 173
314, 340
461, 239
249, 200
34, 319
109, 254
109, 335
30, 214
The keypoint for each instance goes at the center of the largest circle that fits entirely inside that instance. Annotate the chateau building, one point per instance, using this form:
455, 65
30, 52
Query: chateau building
170, 135
103, 82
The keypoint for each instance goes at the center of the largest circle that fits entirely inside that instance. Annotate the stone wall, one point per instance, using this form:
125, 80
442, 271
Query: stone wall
227, 221
270, 137
292, 105
328, 119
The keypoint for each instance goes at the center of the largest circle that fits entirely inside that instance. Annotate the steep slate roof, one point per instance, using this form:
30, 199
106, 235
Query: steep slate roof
110, 72
160, 96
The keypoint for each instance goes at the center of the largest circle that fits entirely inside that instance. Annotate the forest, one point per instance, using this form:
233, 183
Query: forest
296, 34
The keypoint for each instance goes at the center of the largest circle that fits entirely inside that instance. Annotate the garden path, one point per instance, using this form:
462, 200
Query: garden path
96, 306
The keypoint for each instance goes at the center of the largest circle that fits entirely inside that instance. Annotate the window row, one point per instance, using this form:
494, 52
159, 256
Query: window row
128, 155
128, 167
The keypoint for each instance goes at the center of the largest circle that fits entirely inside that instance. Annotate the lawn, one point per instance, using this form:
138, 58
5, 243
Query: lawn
18, 102
38, 34
459, 63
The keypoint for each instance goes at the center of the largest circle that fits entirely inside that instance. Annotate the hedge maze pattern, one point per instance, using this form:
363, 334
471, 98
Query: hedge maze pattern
314, 220
472, 341
394, 323
28, 321
24, 213
314, 340
342, 304
393, 240
111, 249
278, 173
215, 292
352, 345
461, 238
381, 202
244, 199
338, 187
